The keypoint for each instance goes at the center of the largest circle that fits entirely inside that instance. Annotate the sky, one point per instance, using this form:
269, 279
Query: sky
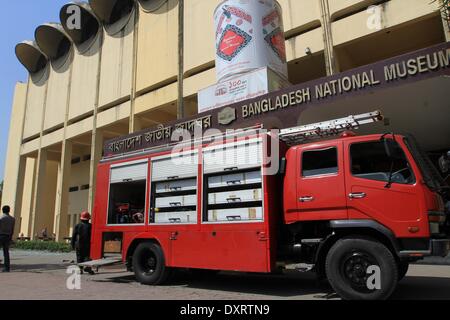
18, 22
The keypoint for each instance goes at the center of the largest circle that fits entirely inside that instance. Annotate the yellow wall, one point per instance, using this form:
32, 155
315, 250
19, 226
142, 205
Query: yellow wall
393, 13
199, 35
339, 8
57, 95
113, 115
158, 46
27, 199
117, 66
50, 197
14, 144
156, 98
35, 108
84, 82
52, 138
79, 176
300, 15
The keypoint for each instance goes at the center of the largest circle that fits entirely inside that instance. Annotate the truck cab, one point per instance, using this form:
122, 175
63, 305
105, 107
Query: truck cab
354, 193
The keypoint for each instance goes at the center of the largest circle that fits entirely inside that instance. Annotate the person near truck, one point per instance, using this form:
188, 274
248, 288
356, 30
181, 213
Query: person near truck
81, 240
6, 233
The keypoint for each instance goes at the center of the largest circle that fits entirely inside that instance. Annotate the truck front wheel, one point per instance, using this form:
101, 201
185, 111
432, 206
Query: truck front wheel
403, 267
361, 269
149, 264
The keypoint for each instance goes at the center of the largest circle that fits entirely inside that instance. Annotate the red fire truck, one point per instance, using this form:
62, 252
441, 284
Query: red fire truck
336, 206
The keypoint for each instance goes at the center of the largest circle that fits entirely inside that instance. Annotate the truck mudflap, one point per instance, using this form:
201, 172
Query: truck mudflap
440, 247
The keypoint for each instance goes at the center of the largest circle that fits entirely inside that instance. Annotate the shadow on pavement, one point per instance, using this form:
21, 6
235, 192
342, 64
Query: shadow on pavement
423, 288
37, 268
291, 285
283, 286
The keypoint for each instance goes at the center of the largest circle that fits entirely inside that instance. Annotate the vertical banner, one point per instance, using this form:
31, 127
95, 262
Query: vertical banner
249, 35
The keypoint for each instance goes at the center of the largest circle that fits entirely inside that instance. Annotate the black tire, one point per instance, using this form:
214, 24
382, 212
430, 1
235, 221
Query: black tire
346, 267
149, 264
403, 267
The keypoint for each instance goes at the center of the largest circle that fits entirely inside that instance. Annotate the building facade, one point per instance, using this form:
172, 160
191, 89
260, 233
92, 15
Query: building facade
137, 64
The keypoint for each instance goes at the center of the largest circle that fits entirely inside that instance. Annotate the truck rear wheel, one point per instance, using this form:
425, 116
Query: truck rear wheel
149, 264
352, 265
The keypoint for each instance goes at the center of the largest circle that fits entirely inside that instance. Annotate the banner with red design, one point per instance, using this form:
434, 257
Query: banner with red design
249, 35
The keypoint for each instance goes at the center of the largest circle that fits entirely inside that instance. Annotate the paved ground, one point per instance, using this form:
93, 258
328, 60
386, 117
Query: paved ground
39, 275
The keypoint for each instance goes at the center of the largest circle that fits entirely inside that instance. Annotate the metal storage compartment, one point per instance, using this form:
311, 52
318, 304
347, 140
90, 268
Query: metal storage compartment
238, 214
235, 179
129, 172
175, 167
237, 156
174, 186
239, 196
176, 217
177, 201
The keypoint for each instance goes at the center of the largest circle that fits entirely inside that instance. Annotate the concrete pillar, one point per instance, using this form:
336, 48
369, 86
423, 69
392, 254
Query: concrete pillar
16, 207
37, 210
96, 155
137, 123
133, 125
62, 196
330, 64
28, 196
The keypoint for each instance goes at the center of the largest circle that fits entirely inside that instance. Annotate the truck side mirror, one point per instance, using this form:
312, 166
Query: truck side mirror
444, 163
392, 149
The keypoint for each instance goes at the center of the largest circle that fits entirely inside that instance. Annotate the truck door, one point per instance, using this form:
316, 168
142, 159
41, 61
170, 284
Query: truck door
369, 196
320, 182
174, 205
235, 214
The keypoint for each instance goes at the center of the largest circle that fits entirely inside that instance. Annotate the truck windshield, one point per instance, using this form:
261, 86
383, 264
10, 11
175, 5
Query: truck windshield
431, 175
370, 161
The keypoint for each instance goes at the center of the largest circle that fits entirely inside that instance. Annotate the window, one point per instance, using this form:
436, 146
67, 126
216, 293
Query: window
370, 161
320, 162
127, 194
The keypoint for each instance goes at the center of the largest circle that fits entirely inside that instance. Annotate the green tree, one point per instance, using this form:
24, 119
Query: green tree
445, 8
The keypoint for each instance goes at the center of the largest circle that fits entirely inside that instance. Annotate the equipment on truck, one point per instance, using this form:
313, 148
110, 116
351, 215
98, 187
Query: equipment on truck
340, 205
324, 129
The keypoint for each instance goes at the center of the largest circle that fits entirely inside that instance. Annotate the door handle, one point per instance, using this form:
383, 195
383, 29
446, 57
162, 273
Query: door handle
357, 195
306, 199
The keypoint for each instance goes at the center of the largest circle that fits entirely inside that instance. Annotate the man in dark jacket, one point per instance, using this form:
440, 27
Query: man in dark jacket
6, 233
81, 240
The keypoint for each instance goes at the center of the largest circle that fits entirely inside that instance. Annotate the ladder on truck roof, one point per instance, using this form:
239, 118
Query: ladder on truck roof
301, 134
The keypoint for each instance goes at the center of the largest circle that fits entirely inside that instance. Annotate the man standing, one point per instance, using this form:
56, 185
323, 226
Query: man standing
6, 233
81, 240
